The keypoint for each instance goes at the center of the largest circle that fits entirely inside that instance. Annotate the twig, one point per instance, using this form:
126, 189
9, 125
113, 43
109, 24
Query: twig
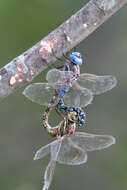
24, 68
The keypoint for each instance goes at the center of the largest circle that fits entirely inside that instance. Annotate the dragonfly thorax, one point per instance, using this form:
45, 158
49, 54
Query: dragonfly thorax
74, 69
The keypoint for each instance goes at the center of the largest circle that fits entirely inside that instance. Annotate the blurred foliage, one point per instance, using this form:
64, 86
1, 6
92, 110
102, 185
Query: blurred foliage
22, 24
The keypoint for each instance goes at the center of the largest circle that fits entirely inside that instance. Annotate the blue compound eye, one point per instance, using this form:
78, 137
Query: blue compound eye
75, 58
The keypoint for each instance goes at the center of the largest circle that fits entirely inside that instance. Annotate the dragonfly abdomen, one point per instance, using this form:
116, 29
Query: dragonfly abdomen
44, 121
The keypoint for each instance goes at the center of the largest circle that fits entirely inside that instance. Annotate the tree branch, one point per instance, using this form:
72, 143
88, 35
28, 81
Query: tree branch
24, 68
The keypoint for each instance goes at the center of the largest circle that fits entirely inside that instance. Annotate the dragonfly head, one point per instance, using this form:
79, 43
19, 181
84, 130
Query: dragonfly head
76, 58
73, 117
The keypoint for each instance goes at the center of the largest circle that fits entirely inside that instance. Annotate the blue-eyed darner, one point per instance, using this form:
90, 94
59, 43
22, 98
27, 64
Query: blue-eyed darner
80, 88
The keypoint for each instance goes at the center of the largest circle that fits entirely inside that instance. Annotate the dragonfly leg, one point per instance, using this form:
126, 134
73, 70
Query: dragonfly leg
46, 63
65, 56
62, 60
60, 67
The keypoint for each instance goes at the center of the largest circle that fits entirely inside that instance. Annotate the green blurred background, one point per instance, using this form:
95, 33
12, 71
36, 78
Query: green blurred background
22, 24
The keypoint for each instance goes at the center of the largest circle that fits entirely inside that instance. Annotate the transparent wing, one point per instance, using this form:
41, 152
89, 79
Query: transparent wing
79, 97
58, 79
49, 172
45, 150
97, 84
40, 93
91, 142
42, 152
69, 152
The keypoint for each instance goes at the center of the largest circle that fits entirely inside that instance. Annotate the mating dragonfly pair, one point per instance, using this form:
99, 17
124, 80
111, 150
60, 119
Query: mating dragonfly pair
71, 91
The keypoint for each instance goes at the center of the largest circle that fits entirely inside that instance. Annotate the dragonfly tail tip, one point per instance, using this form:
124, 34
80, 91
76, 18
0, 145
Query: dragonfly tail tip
45, 187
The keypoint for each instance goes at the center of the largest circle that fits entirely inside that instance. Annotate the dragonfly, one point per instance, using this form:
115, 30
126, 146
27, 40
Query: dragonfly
75, 89
80, 93
70, 147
